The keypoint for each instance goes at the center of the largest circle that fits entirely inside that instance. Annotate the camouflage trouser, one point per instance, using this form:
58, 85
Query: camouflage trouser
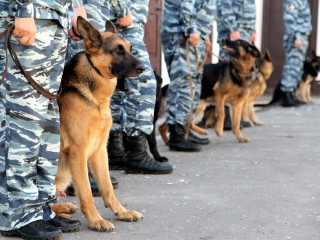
292, 69
179, 97
224, 56
132, 110
29, 130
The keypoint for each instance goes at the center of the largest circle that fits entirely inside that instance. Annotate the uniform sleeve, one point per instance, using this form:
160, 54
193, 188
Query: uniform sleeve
77, 3
249, 15
25, 9
226, 15
188, 17
121, 8
205, 18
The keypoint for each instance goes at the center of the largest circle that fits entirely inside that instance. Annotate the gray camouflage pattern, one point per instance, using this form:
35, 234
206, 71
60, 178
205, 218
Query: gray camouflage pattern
132, 110
297, 23
29, 130
175, 26
235, 15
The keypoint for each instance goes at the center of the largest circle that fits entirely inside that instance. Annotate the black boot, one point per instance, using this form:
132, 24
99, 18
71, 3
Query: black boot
139, 161
287, 100
39, 230
195, 139
116, 152
66, 225
177, 141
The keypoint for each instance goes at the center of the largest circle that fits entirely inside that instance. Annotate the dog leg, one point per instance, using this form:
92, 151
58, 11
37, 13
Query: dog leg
200, 109
163, 130
62, 181
220, 101
245, 111
252, 114
79, 170
100, 170
309, 99
236, 117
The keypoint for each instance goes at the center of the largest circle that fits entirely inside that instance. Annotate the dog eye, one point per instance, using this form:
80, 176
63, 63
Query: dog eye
119, 50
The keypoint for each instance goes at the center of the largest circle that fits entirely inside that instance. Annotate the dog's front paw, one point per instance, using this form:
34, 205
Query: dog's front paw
244, 139
64, 209
258, 123
219, 131
130, 216
101, 226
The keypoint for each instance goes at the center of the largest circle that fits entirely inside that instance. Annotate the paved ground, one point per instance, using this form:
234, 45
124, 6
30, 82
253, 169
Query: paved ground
268, 189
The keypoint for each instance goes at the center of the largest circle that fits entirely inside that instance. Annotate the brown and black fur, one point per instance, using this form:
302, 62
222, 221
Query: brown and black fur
311, 69
258, 87
229, 82
88, 83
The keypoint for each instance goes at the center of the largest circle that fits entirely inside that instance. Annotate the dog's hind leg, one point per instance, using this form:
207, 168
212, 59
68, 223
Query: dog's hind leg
163, 130
100, 170
200, 109
62, 180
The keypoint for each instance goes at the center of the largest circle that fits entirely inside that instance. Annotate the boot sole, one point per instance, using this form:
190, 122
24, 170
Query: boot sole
71, 229
20, 235
184, 150
138, 171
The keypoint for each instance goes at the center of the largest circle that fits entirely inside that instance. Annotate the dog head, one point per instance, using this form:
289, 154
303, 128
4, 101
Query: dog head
266, 65
109, 53
315, 61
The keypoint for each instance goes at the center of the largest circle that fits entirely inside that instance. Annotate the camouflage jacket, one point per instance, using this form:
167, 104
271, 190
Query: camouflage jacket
188, 16
234, 15
60, 10
297, 19
120, 8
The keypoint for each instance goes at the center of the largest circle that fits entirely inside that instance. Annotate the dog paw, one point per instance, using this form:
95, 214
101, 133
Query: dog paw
259, 123
102, 226
64, 209
219, 132
244, 140
130, 216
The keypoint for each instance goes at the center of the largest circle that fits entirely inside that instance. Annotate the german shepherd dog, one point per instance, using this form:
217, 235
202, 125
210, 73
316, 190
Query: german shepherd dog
258, 86
230, 82
88, 82
311, 69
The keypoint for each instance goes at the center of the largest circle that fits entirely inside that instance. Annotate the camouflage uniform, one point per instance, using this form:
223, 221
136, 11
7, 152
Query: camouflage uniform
235, 15
29, 130
297, 20
132, 110
180, 19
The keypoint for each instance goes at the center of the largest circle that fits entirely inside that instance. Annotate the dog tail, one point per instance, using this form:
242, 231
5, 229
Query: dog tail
277, 93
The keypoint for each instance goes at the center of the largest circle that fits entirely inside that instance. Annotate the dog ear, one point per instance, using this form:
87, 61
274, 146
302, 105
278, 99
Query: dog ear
267, 55
92, 38
110, 27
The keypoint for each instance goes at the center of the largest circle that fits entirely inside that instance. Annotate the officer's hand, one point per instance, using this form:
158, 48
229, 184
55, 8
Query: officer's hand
234, 36
25, 30
73, 32
298, 43
253, 38
194, 39
125, 21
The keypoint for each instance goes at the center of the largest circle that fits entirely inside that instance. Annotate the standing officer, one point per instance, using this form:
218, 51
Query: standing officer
29, 122
186, 25
297, 22
235, 20
132, 109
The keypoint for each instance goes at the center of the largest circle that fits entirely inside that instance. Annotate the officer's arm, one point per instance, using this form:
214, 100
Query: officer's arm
188, 17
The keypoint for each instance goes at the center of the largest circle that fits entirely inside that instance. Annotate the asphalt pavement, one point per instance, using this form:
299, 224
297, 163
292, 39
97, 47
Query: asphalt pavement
267, 189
